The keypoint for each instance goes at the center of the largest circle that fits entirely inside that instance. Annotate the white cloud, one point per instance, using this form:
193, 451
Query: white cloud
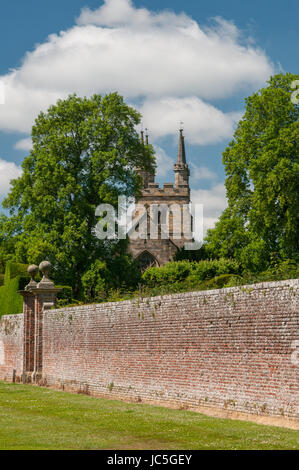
2, 92
143, 55
203, 123
198, 173
163, 161
118, 13
23, 144
214, 202
8, 171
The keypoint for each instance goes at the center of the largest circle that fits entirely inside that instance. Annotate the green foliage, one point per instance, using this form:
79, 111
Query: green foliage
208, 269
7, 248
15, 279
13, 270
65, 296
171, 272
262, 181
224, 280
10, 301
95, 281
214, 274
102, 278
287, 269
192, 272
84, 153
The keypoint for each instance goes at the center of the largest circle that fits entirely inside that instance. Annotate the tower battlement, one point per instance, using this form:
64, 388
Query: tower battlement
168, 190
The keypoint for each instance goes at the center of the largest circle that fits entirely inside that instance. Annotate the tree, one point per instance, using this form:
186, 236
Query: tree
84, 153
262, 180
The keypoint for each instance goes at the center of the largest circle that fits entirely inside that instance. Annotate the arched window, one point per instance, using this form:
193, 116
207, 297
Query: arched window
146, 260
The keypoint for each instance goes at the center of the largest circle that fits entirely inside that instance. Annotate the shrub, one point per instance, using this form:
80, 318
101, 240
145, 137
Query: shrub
168, 274
65, 294
10, 301
192, 272
13, 270
224, 280
95, 282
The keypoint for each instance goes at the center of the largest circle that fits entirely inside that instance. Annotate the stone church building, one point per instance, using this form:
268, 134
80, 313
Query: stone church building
159, 248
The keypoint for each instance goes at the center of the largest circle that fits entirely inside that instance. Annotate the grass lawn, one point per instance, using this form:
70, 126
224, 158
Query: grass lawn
40, 418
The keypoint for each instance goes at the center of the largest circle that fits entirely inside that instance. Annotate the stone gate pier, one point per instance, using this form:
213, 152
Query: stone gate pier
38, 297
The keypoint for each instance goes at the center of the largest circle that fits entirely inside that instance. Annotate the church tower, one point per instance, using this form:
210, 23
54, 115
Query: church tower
159, 249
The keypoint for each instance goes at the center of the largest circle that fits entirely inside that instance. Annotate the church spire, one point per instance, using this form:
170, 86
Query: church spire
181, 168
181, 149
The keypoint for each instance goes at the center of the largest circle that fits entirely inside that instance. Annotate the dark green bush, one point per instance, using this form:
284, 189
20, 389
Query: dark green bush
66, 293
10, 301
13, 270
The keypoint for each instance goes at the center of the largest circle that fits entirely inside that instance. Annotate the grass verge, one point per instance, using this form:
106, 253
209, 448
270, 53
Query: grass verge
40, 418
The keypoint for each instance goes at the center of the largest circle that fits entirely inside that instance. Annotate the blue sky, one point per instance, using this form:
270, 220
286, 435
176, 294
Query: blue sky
197, 67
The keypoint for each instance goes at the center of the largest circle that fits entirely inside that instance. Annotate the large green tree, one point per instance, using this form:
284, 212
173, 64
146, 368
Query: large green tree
84, 153
262, 180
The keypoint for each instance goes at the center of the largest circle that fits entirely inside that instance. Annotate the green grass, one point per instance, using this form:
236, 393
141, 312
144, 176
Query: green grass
40, 418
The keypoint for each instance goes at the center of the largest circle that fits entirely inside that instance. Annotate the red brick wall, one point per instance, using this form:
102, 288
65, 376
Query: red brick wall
11, 347
230, 348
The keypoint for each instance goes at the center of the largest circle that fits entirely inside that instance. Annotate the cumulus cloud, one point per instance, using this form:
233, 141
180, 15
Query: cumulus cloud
203, 123
122, 13
214, 202
145, 56
23, 144
8, 171
163, 161
199, 173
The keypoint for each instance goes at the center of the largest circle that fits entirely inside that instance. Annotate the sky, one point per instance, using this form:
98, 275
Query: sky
192, 61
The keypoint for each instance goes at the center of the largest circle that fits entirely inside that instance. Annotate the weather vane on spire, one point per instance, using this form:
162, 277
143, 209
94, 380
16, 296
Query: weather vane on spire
181, 125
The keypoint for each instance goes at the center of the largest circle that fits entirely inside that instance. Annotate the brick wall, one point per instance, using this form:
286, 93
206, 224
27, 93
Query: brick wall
11, 347
230, 348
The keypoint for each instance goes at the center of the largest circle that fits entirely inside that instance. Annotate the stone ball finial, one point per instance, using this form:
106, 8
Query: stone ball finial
45, 267
32, 271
